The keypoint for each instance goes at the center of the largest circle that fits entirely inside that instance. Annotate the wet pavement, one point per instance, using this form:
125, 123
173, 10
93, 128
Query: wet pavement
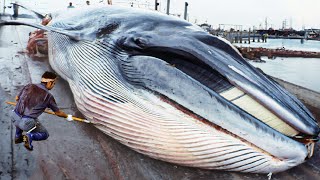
76, 150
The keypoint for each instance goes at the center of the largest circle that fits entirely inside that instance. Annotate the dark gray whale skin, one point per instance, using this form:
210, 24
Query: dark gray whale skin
117, 53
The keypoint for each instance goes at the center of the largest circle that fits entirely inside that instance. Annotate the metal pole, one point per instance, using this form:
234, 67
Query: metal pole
156, 4
185, 10
249, 35
4, 7
254, 34
168, 6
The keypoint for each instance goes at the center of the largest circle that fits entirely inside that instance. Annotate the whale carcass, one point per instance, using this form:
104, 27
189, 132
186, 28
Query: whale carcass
167, 89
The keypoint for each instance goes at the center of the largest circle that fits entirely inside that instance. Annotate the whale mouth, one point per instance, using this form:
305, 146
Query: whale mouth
215, 81
223, 86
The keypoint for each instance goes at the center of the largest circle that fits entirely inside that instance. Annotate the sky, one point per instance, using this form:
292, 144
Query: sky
247, 13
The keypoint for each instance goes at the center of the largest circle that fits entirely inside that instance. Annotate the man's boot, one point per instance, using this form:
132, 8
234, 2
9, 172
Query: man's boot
36, 136
18, 137
27, 139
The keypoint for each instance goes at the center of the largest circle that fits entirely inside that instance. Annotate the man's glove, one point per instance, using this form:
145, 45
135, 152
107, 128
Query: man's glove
69, 117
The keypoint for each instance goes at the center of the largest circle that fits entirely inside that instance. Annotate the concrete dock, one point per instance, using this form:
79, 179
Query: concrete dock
76, 150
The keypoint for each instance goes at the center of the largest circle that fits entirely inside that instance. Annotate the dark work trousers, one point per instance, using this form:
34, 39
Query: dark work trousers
25, 124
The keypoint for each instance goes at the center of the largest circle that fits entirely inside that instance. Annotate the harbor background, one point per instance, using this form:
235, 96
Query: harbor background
301, 71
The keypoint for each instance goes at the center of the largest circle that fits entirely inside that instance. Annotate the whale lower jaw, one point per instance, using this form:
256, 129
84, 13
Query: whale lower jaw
158, 129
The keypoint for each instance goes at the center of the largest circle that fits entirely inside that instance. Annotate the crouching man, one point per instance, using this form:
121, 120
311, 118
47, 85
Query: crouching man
31, 103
